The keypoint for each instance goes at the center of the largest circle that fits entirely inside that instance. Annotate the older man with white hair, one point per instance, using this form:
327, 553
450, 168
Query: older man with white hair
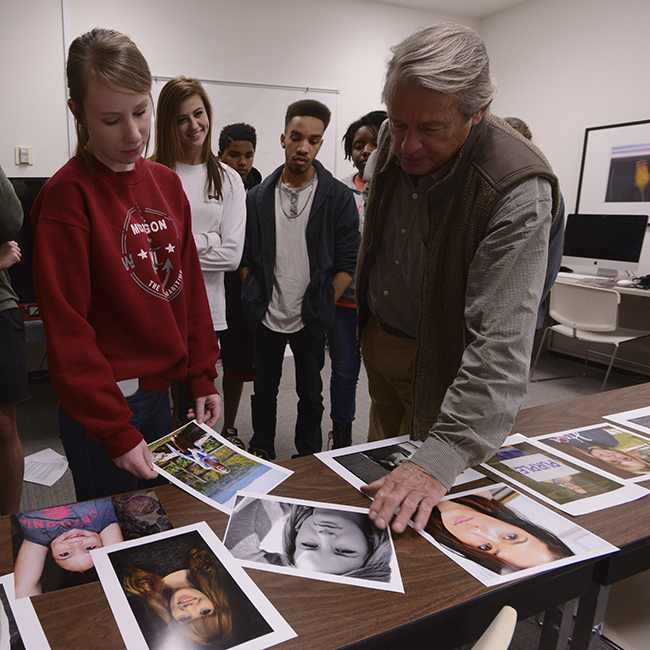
451, 268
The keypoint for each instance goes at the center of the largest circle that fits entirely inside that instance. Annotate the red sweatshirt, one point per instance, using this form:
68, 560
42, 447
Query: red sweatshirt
121, 293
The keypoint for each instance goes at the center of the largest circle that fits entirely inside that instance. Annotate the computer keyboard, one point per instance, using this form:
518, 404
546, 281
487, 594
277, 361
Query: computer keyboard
593, 281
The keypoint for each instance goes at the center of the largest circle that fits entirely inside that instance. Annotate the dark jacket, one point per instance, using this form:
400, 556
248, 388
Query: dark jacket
332, 246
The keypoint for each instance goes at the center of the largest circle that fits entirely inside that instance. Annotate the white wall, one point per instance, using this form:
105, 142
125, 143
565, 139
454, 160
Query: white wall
341, 44
563, 66
567, 65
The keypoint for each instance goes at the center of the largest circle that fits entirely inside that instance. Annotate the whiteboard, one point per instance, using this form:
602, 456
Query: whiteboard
262, 106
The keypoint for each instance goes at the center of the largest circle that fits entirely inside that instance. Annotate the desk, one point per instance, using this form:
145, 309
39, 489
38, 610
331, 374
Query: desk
442, 604
634, 312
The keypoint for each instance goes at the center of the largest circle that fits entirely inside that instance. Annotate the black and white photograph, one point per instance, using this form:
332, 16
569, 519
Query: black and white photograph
310, 539
182, 590
362, 464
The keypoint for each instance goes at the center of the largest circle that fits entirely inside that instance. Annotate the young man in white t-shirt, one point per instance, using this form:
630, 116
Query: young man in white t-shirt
302, 238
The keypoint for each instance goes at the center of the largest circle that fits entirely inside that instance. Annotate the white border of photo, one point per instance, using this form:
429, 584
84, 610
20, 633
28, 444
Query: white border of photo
126, 621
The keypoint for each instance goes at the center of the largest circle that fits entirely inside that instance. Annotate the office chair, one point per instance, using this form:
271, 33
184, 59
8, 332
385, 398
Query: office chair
499, 634
588, 314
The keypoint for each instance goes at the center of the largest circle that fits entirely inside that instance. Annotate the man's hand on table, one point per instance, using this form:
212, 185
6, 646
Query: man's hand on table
408, 487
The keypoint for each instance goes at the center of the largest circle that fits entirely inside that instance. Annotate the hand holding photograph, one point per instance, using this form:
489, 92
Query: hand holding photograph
181, 590
208, 467
490, 533
312, 540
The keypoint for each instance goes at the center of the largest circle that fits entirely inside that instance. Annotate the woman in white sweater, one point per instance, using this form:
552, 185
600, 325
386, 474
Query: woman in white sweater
215, 191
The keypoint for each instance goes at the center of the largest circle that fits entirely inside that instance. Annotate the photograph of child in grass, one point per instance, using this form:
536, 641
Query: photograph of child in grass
201, 462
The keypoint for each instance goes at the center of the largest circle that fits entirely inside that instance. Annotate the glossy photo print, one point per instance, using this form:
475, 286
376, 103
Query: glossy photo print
310, 539
558, 479
498, 535
52, 547
182, 590
607, 448
20, 628
208, 467
637, 419
362, 464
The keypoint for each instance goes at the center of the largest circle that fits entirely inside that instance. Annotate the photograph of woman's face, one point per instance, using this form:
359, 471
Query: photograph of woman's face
619, 458
188, 604
331, 542
485, 533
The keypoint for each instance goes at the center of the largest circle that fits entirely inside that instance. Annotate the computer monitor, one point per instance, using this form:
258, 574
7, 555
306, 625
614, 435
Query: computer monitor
27, 190
606, 243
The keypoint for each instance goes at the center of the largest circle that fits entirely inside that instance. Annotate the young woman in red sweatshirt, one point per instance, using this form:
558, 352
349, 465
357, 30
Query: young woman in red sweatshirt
117, 277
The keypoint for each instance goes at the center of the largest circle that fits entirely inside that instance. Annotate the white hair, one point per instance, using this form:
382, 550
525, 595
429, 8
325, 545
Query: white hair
446, 57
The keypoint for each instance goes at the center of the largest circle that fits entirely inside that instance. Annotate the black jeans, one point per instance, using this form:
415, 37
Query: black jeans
309, 357
94, 473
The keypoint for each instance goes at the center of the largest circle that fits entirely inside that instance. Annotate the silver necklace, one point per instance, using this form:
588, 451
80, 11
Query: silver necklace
288, 190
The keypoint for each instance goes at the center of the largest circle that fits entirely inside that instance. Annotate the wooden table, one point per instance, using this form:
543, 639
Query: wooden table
442, 607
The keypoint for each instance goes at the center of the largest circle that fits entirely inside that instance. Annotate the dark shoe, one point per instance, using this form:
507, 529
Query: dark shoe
341, 434
231, 436
260, 453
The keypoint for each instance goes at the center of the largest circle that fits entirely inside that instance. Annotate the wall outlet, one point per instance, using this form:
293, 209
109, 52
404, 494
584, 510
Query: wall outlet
24, 155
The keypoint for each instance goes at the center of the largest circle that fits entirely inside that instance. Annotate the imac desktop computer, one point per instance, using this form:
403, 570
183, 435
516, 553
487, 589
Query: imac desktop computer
604, 243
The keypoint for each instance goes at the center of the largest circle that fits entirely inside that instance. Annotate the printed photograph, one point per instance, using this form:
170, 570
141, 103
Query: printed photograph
52, 546
362, 464
10, 638
607, 448
566, 483
205, 465
312, 540
182, 590
636, 419
498, 534
629, 176
20, 628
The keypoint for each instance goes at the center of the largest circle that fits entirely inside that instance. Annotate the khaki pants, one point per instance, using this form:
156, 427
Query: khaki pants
389, 362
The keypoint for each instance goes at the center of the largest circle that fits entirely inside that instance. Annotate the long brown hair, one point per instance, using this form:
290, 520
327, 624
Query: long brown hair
111, 58
202, 574
168, 149
493, 508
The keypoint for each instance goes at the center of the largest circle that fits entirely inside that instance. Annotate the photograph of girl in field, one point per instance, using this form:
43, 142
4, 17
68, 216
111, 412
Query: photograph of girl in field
204, 464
